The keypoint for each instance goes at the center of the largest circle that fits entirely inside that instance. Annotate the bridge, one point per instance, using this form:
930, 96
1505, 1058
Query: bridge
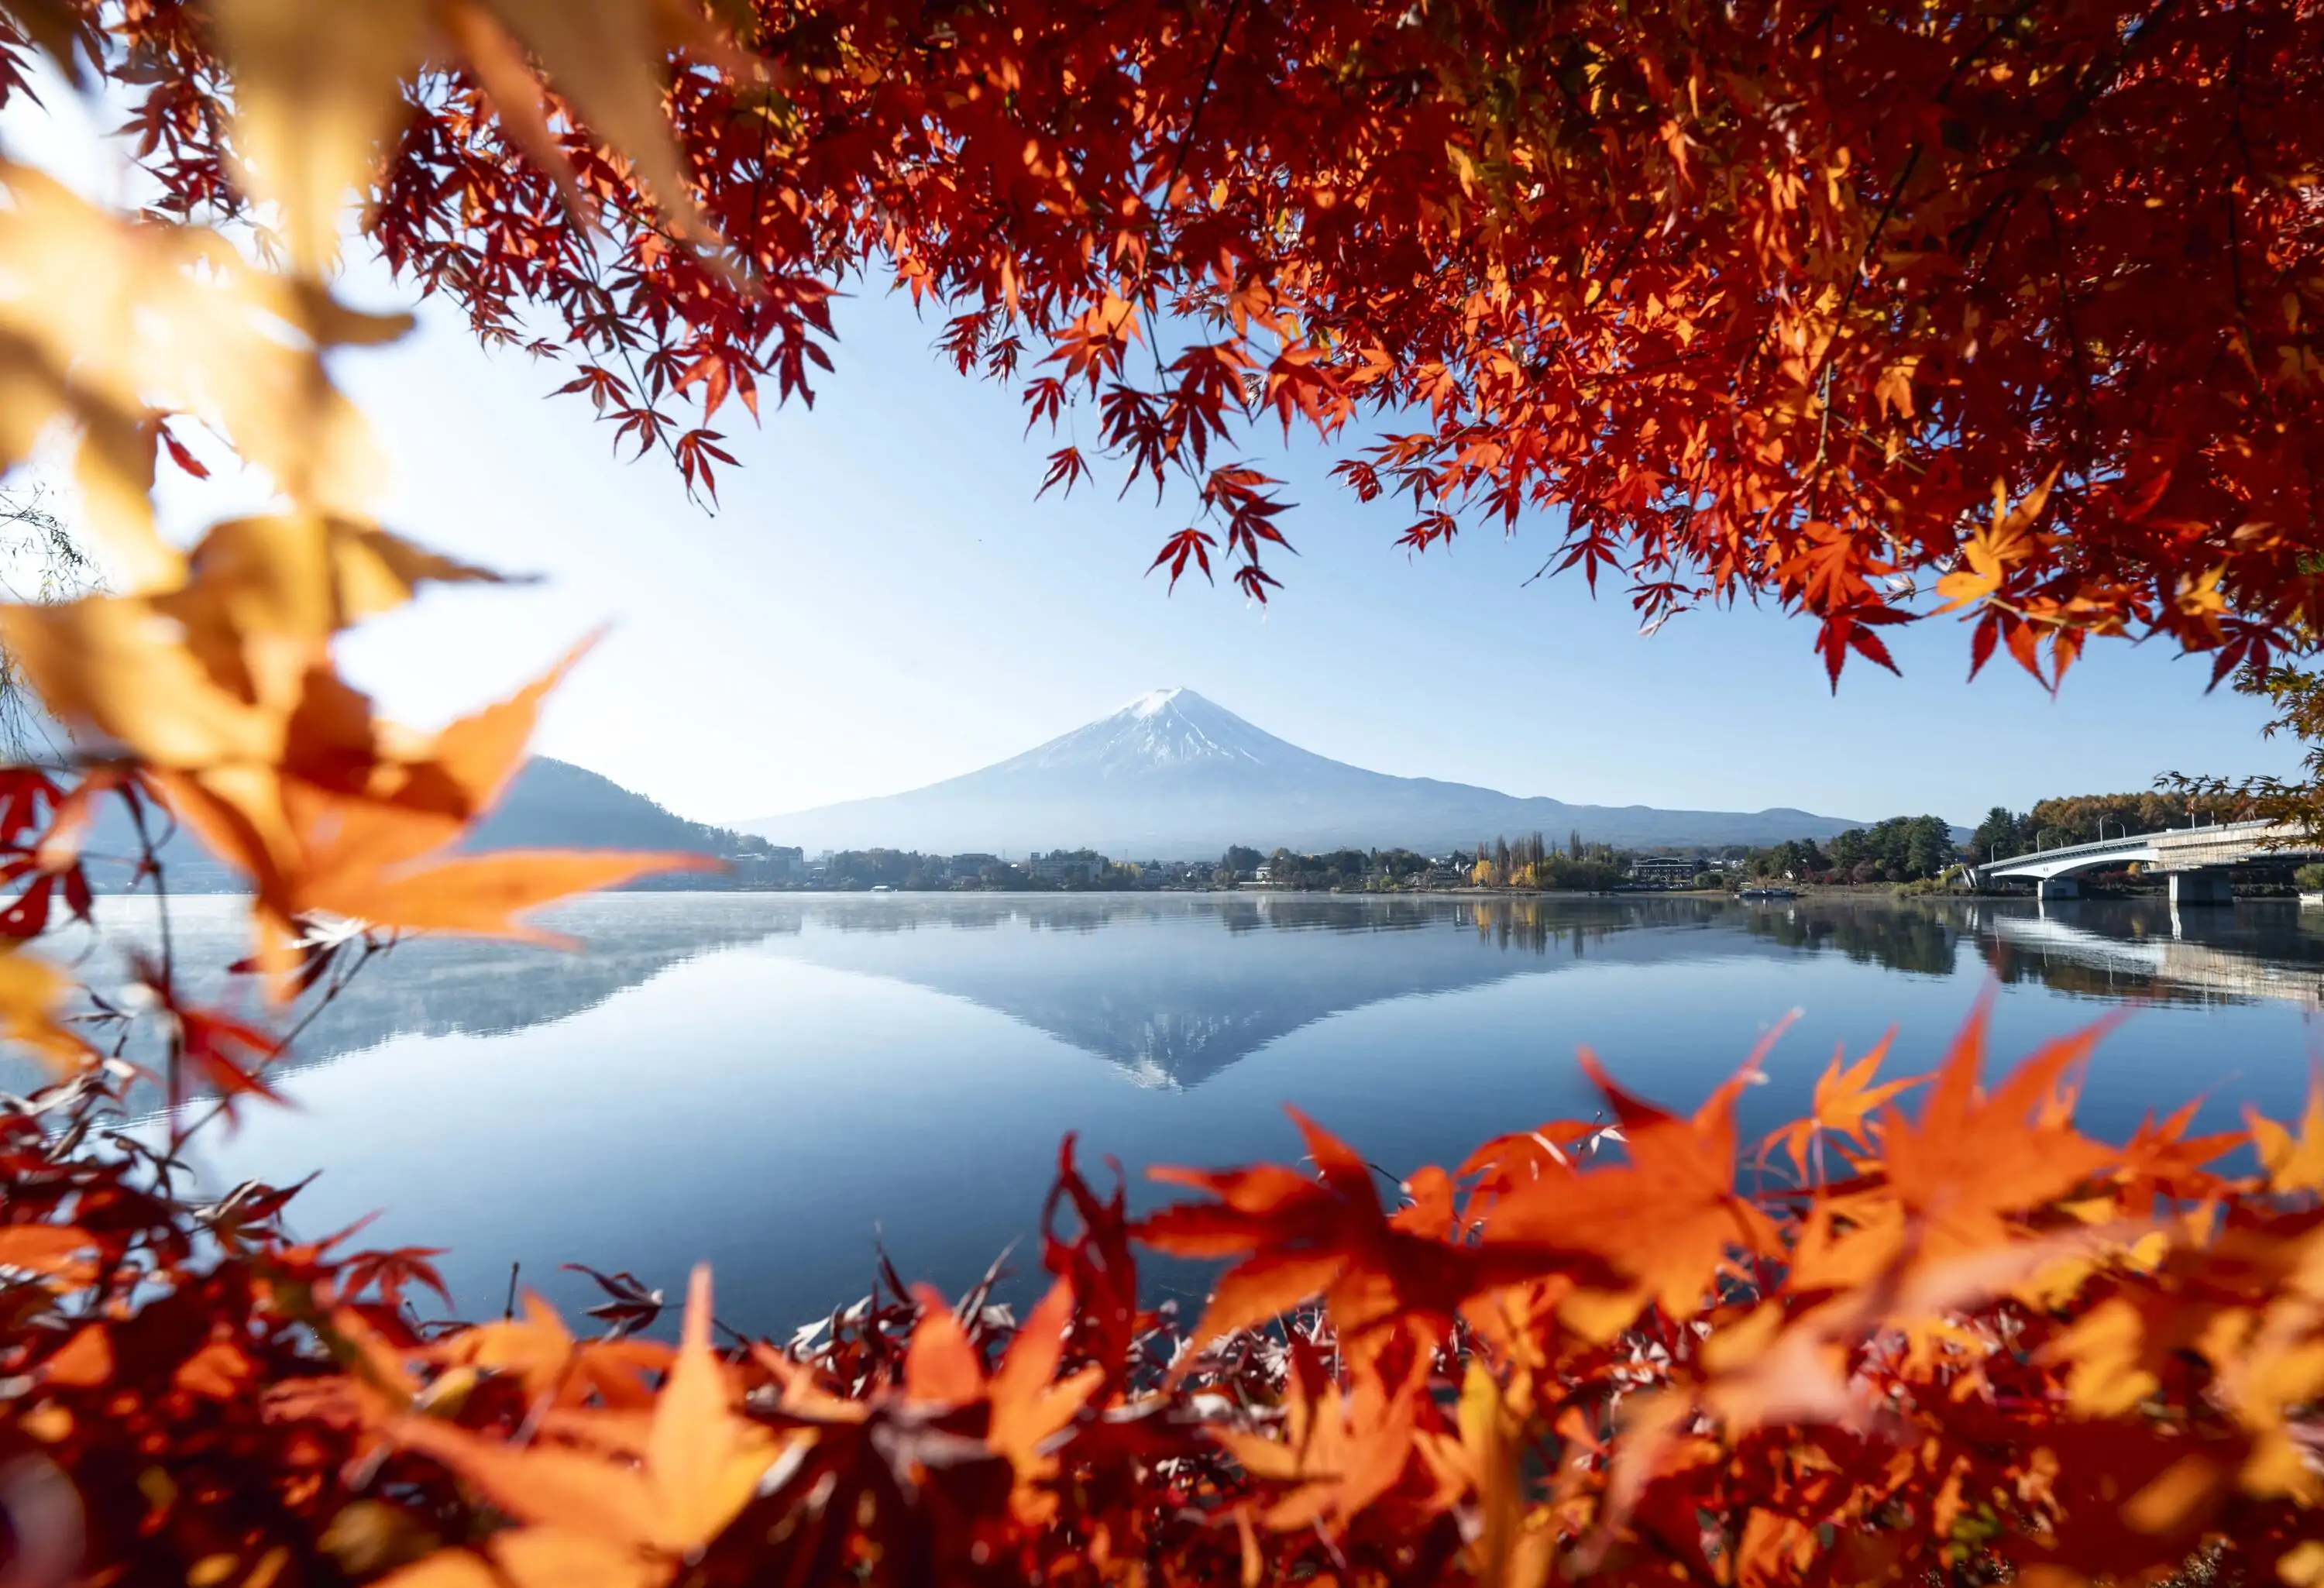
2197, 860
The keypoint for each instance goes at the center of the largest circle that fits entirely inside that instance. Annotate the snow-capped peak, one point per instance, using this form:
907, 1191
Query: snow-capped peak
1163, 730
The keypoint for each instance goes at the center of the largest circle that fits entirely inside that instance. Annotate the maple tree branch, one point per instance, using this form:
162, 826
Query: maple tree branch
1170, 185
655, 426
2078, 105
1911, 162
1202, 98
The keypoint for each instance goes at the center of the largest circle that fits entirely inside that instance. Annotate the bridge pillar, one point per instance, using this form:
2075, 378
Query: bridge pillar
2205, 887
2045, 888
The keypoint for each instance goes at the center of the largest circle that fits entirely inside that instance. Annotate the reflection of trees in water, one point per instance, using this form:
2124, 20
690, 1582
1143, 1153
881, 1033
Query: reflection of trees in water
1523, 923
1569, 924
1518, 920
440, 986
1904, 936
1195, 982
457, 986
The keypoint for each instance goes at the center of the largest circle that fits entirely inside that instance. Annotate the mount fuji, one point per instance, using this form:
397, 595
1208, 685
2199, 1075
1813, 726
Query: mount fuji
1172, 776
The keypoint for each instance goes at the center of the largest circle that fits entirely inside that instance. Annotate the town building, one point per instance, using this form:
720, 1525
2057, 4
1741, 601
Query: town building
1665, 870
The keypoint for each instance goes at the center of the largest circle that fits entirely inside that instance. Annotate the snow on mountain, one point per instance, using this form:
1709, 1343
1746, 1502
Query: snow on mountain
1165, 731
1173, 776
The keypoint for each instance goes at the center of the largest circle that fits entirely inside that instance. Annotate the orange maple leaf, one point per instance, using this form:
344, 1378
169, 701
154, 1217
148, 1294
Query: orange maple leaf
1668, 1219
1844, 1100
1300, 1237
1961, 1177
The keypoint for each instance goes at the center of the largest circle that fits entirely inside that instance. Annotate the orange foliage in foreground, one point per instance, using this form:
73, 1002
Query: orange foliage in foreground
1957, 1343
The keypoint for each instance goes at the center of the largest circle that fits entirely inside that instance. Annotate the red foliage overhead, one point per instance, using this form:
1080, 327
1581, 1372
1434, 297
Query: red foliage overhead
1816, 300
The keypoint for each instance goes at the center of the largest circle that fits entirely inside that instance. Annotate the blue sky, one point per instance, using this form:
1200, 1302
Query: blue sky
880, 601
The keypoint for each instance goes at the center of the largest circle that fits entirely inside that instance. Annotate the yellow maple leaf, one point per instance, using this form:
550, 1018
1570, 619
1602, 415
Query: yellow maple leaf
1992, 551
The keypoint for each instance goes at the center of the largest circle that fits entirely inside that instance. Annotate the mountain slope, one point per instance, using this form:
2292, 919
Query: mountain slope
555, 805
549, 805
1173, 776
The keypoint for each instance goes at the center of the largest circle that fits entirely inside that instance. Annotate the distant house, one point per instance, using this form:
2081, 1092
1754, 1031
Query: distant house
967, 868
771, 867
1265, 873
1067, 867
1665, 870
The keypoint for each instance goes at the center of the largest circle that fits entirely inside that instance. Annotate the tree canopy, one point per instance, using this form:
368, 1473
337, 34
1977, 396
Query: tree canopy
1869, 311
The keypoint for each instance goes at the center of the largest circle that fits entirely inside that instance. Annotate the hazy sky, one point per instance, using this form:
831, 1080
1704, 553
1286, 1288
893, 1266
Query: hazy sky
880, 602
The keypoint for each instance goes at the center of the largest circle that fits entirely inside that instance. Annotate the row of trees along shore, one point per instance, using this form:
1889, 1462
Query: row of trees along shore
1900, 849
1088, 871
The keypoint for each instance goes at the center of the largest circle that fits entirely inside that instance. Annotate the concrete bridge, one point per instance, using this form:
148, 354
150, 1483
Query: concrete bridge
2197, 860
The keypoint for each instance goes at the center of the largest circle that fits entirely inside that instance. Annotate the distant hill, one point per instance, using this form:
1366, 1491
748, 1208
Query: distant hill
555, 805
549, 805
1172, 776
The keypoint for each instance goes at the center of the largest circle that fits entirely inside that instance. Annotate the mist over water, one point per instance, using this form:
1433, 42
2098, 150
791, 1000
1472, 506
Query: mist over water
777, 1082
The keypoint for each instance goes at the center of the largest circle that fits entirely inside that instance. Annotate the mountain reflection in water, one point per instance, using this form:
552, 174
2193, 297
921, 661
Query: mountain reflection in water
768, 1080
1149, 986
1137, 981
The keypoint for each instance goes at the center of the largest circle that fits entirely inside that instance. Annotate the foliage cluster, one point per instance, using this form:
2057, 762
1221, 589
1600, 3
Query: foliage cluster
1777, 300
2297, 695
1527, 862
1345, 870
893, 868
1901, 849
1071, 871
1794, 859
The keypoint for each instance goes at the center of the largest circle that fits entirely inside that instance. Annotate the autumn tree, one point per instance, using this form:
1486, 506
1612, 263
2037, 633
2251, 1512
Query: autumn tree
2296, 693
2012, 312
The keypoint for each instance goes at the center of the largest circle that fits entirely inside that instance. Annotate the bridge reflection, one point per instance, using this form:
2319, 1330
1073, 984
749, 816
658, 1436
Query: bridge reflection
2263, 949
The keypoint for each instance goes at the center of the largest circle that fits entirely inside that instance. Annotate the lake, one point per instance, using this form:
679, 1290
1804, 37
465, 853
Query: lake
774, 1081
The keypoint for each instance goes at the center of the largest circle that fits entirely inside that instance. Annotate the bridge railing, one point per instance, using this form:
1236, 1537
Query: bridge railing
2111, 846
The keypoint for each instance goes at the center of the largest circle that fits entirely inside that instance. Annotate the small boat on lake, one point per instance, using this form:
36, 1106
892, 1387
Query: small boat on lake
1757, 895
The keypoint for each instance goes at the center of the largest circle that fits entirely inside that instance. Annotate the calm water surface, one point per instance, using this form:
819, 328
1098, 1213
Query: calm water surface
773, 1082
